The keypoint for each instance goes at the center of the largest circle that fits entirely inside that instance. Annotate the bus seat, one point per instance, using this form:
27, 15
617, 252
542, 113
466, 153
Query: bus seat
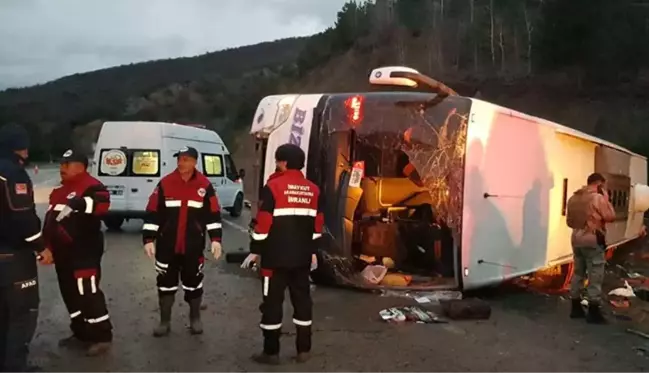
396, 189
370, 200
380, 194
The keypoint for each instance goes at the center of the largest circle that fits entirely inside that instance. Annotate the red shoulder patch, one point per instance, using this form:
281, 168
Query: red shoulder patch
21, 188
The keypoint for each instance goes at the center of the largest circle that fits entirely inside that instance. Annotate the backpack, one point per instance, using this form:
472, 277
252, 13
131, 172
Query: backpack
577, 209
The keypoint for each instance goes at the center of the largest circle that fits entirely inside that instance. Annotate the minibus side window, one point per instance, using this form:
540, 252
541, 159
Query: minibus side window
230, 168
212, 165
145, 163
112, 162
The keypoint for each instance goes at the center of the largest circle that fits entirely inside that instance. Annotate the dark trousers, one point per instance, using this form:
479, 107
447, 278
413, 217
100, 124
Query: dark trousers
19, 302
274, 284
188, 267
86, 303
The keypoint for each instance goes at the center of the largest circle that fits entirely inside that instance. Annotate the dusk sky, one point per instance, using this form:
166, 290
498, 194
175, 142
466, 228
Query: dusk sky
41, 40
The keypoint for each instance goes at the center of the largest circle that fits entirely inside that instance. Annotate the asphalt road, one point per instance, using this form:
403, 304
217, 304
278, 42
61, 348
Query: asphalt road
525, 333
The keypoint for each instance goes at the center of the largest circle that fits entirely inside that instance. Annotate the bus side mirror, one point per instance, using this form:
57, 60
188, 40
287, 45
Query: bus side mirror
242, 173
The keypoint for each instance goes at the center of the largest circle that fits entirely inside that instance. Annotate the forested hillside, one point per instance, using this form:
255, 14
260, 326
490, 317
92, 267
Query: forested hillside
584, 63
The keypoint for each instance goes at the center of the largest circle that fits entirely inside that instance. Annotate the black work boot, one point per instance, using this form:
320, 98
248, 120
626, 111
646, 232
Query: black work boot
270, 355
195, 323
595, 314
166, 304
303, 343
577, 310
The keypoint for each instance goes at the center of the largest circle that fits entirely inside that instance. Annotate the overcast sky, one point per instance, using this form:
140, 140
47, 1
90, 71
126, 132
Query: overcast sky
41, 40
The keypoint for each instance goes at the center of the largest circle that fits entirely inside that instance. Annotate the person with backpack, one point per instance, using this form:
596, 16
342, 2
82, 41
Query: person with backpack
588, 211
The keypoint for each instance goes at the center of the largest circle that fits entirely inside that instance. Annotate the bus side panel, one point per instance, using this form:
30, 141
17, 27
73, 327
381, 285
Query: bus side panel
296, 130
638, 174
507, 196
573, 159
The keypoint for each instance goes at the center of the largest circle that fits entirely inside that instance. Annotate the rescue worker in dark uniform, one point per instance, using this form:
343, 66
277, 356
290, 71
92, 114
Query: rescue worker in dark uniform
73, 231
21, 243
182, 207
285, 237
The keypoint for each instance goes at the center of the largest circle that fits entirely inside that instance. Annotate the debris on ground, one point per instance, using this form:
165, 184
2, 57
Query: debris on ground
424, 296
638, 333
374, 274
396, 279
466, 309
625, 292
410, 314
642, 350
619, 303
642, 292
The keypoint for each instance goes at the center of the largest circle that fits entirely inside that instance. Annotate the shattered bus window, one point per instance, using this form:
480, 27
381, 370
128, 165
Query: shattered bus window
410, 206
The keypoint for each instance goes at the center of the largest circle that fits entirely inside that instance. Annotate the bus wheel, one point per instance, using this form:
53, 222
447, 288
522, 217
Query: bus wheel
114, 223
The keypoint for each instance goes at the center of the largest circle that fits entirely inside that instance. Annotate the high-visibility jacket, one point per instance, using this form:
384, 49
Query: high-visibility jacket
179, 212
288, 225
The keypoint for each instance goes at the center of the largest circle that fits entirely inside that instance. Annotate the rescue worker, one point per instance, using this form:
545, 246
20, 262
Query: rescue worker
73, 231
21, 243
182, 207
285, 237
589, 245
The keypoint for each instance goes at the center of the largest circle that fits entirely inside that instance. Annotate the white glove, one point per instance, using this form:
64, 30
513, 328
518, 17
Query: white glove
249, 260
67, 210
216, 250
314, 262
149, 249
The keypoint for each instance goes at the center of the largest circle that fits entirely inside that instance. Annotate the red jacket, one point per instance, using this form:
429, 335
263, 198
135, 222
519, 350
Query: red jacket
179, 212
288, 225
78, 236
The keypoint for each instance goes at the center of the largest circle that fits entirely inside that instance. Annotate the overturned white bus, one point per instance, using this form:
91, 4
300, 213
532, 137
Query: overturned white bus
457, 192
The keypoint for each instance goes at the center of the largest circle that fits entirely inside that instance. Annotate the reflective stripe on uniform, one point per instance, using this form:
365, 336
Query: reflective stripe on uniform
33, 238
75, 314
270, 327
150, 227
2, 178
89, 204
295, 212
162, 288
193, 289
195, 204
317, 235
173, 203
302, 323
93, 284
59, 207
213, 226
258, 236
98, 320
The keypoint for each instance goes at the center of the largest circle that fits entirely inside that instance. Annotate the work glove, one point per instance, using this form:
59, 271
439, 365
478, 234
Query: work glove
216, 250
251, 258
314, 262
149, 249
